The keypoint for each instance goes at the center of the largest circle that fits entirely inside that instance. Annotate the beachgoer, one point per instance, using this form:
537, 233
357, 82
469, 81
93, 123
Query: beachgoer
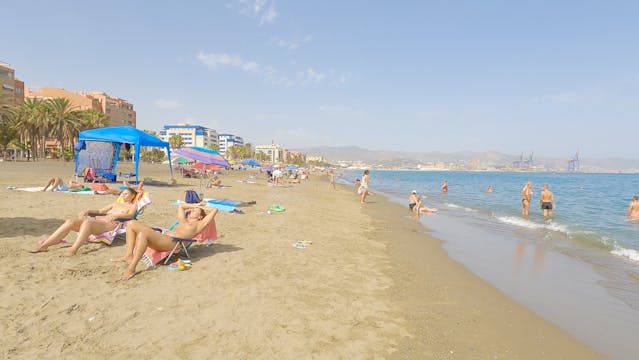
364, 186
412, 201
546, 201
445, 186
489, 189
331, 178
57, 184
86, 225
277, 175
215, 182
420, 208
358, 183
633, 209
139, 236
526, 198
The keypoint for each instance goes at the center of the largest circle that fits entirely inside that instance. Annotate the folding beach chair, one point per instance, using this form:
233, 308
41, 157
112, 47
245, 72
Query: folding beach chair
152, 257
142, 200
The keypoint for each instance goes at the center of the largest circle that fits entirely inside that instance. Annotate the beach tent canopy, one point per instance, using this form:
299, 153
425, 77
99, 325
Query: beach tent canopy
100, 147
291, 168
250, 162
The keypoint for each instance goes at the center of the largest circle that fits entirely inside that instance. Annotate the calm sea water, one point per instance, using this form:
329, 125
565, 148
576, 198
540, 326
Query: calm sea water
590, 208
579, 270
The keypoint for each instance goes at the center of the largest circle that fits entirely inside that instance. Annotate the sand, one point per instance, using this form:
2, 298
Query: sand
372, 284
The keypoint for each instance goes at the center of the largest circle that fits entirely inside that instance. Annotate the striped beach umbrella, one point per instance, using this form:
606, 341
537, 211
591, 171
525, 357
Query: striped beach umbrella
206, 156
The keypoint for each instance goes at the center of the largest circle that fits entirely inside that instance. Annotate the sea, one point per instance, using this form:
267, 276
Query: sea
578, 269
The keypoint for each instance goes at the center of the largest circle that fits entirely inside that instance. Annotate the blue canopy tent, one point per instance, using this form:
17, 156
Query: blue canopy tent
250, 162
100, 148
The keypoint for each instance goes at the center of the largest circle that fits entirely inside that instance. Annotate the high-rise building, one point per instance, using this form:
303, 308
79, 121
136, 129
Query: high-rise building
118, 111
227, 141
192, 135
9, 85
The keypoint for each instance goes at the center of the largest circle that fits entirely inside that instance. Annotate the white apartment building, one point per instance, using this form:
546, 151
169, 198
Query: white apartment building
228, 140
192, 135
273, 151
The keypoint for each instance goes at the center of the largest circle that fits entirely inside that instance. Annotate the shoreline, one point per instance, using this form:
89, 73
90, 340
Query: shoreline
371, 285
471, 318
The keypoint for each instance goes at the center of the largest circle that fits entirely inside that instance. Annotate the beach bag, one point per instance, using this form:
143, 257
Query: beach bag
191, 197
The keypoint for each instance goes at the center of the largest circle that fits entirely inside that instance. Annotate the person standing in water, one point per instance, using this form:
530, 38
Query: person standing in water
633, 209
526, 198
547, 201
445, 186
489, 189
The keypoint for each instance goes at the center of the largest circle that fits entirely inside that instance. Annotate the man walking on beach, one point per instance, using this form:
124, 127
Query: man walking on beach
547, 201
633, 209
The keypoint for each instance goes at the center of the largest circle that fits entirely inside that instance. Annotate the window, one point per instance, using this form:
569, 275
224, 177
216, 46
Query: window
7, 87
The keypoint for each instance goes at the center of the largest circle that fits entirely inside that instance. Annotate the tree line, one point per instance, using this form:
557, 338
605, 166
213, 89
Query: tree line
28, 125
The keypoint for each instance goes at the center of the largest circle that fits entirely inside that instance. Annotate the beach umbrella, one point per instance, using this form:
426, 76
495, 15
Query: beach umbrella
267, 168
291, 168
206, 156
181, 160
250, 162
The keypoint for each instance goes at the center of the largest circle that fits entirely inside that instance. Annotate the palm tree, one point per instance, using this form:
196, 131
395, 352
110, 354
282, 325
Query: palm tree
29, 117
7, 110
91, 119
62, 121
176, 141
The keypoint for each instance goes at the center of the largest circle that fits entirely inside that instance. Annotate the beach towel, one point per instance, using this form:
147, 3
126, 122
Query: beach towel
27, 189
222, 207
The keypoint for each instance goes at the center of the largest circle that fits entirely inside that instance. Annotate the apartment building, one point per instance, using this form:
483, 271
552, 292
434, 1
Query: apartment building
9, 85
192, 135
77, 101
118, 111
228, 140
272, 151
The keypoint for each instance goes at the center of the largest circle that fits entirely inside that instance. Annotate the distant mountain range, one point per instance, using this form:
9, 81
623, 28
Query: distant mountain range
486, 159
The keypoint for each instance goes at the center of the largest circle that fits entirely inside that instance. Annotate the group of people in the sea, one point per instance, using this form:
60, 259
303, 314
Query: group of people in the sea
546, 202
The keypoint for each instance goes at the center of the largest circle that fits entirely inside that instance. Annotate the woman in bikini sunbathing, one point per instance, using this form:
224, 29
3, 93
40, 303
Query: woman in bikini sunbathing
140, 235
56, 184
85, 225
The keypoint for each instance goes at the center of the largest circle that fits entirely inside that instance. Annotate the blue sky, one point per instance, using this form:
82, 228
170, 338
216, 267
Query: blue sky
511, 76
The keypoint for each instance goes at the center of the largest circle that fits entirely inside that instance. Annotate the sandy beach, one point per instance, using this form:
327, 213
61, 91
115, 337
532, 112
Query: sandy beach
371, 284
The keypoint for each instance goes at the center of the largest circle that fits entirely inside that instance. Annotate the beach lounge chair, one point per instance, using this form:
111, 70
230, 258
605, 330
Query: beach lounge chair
152, 257
142, 200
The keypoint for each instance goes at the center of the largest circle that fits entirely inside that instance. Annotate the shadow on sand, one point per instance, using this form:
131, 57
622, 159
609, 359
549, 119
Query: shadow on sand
21, 226
203, 251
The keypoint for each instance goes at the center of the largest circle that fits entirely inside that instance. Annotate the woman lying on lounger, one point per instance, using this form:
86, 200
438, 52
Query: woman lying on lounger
140, 235
85, 225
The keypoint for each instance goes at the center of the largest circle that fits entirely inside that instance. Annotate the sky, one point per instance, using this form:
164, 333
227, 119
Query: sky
549, 77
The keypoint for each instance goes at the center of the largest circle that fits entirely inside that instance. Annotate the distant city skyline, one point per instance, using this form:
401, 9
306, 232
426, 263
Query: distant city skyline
545, 77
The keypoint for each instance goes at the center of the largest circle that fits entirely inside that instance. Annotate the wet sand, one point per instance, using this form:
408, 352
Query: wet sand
371, 285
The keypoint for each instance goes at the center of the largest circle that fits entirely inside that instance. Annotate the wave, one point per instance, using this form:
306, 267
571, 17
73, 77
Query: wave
627, 253
455, 206
548, 225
